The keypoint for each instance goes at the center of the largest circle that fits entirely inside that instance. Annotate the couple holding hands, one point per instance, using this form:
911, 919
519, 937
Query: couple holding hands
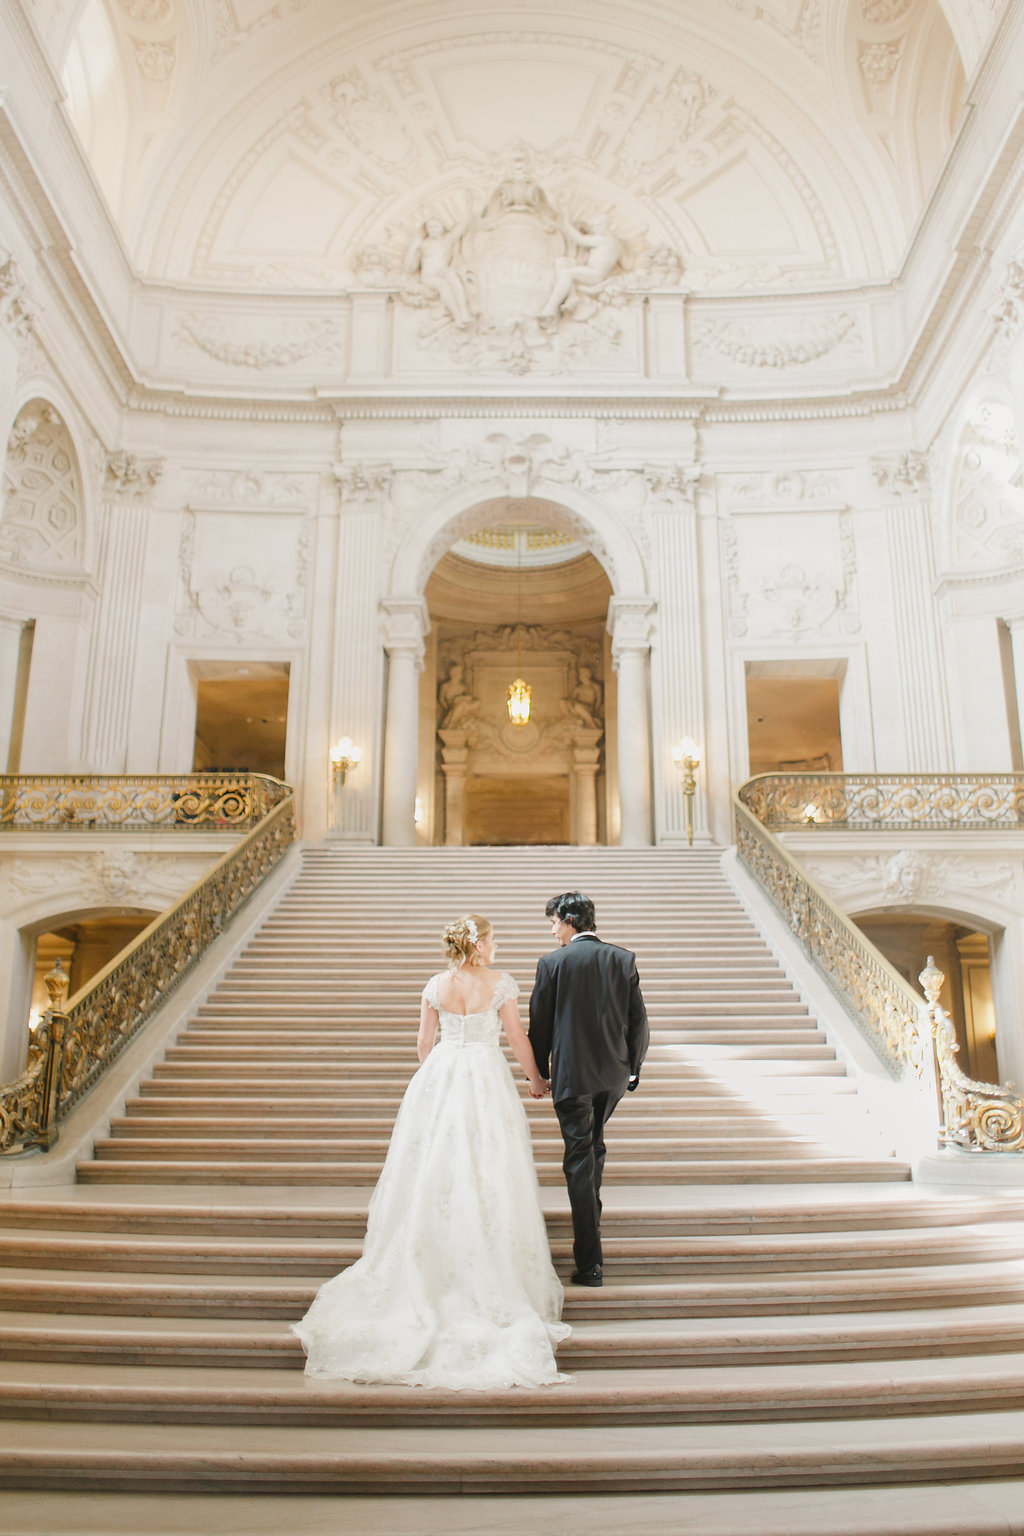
455, 1287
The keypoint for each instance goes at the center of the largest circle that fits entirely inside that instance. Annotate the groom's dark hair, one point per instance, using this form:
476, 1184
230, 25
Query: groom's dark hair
575, 909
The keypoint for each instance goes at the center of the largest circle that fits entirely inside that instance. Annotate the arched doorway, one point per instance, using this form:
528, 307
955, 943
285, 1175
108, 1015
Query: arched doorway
619, 808
518, 599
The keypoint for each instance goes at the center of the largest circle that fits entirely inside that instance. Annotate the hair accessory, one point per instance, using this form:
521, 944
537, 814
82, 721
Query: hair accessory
472, 931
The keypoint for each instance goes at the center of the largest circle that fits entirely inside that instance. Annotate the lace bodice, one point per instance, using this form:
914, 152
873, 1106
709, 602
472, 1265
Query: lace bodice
482, 1028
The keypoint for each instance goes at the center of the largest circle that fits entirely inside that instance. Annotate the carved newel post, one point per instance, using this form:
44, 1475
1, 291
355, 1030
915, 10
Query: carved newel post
405, 624
454, 765
586, 760
629, 624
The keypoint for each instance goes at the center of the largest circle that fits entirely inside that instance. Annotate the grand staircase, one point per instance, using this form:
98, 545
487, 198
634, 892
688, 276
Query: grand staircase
790, 1336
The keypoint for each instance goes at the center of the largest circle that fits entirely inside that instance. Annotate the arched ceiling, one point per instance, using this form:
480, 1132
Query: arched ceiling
297, 144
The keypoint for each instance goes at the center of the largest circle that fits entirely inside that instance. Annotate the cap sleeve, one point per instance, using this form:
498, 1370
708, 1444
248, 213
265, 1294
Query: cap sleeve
506, 991
430, 993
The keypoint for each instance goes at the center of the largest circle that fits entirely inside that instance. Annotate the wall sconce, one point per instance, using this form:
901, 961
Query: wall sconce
417, 813
344, 755
810, 814
686, 755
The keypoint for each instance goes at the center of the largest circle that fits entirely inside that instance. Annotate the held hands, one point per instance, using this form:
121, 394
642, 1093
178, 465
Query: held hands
539, 1087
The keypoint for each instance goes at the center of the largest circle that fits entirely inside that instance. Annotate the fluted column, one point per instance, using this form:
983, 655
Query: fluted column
406, 622
677, 681
920, 669
128, 486
629, 623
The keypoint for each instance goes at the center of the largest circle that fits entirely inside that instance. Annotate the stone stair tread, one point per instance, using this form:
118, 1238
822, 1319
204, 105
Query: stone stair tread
920, 1244
226, 1394
183, 1293
948, 1333
591, 1459
949, 1509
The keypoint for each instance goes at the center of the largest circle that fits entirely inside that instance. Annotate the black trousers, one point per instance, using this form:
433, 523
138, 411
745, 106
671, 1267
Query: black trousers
582, 1122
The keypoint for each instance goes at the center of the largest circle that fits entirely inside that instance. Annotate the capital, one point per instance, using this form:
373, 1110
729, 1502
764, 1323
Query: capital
405, 623
631, 625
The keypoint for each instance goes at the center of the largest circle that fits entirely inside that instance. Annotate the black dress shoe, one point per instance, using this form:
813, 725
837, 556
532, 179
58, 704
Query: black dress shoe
592, 1277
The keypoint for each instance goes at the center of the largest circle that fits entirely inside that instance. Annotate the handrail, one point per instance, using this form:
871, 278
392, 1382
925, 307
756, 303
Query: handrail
887, 802
73, 1047
136, 802
913, 1039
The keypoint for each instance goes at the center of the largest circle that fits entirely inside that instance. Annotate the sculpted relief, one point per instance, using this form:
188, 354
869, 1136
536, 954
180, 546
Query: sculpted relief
515, 278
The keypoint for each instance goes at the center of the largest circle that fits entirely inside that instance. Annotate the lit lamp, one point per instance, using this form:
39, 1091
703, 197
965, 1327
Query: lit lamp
344, 755
518, 693
686, 755
517, 699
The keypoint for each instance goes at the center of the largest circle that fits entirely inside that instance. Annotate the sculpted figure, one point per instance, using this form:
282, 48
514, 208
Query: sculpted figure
518, 192
456, 702
429, 255
584, 706
603, 248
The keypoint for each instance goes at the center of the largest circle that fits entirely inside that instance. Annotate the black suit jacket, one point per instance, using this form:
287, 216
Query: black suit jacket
588, 1023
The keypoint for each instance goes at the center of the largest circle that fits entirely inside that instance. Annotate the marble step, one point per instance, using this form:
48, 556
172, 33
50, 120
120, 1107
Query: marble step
738, 1170
661, 1257
648, 1344
634, 1213
126, 1292
792, 1452
223, 1396
942, 1509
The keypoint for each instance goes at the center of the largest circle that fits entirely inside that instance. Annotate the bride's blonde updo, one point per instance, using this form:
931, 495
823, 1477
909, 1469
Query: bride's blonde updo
461, 938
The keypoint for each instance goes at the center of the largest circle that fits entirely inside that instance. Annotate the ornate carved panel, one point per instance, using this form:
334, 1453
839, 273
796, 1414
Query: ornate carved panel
243, 577
41, 527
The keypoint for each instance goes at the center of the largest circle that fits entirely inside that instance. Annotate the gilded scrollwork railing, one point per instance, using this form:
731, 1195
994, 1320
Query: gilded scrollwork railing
73, 1047
883, 802
914, 1039
147, 802
975, 1116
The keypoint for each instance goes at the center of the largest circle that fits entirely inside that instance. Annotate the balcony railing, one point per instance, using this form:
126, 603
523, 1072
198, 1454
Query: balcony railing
884, 802
73, 1046
147, 803
913, 1038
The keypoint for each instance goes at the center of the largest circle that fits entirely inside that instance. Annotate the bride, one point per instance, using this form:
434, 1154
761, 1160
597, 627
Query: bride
455, 1287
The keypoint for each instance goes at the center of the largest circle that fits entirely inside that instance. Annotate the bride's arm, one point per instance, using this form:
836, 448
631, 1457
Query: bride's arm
428, 1031
521, 1047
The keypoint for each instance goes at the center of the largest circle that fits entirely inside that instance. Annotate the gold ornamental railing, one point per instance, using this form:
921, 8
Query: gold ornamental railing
915, 1040
885, 802
75, 1044
147, 803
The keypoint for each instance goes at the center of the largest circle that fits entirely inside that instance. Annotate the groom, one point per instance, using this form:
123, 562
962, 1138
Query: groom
587, 1018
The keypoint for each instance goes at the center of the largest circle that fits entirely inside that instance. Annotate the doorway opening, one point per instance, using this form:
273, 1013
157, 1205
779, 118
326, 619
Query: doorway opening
906, 939
241, 716
517, 600
793, 718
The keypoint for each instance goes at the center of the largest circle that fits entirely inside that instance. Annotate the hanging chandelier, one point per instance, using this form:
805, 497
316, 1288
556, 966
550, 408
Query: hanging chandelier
518, 702
517, 698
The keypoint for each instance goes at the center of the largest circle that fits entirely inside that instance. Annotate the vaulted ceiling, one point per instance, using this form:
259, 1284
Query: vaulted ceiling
294, 144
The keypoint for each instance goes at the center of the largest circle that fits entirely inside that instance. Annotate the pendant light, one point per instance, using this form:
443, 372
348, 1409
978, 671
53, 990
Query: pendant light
517, 698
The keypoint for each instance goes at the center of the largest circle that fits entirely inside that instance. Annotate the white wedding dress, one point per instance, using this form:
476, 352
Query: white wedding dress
455, 1287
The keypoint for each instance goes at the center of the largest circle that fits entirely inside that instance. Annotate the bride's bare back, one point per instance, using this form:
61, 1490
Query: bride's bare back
468, 990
